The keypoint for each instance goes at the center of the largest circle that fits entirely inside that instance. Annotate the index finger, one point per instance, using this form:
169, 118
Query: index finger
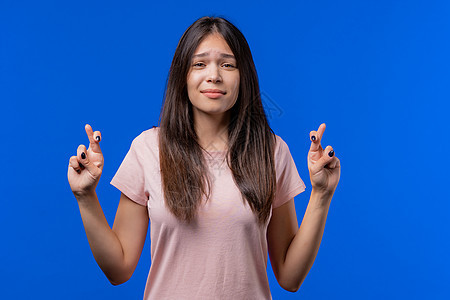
315, 144
320, 131
93, 144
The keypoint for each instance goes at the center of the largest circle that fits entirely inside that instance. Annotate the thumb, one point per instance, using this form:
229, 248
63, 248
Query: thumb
84, 161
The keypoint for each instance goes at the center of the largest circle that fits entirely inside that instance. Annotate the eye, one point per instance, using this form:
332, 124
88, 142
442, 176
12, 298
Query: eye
229, 66
199, 64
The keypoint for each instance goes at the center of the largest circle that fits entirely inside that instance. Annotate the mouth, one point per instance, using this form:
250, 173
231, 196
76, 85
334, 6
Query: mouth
213, 91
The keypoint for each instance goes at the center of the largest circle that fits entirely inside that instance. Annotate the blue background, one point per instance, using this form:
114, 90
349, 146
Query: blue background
376, 72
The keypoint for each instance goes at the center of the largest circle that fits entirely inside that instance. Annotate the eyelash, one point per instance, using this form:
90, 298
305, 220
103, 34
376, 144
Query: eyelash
196, 64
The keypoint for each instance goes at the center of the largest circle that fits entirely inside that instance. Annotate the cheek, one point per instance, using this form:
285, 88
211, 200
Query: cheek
236, 86
191, 81
194, 78
191, 87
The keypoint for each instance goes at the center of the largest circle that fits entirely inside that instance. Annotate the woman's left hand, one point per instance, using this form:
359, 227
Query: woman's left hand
324, 167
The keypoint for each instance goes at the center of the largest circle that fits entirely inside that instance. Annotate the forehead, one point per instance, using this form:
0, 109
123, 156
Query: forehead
213, 45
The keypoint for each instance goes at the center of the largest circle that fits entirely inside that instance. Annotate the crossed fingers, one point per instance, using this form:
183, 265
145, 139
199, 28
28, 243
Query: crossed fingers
318, 153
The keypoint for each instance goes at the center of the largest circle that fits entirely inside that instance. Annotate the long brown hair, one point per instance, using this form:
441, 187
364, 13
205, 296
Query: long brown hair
250, 155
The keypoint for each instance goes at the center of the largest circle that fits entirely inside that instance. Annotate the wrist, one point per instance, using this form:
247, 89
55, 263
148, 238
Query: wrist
85, 196
321, 197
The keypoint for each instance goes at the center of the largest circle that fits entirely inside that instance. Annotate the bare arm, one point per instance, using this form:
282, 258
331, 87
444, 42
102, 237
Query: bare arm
116, 250
293, 250
280, 233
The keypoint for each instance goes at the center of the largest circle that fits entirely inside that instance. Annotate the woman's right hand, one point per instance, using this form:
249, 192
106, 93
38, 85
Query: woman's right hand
86, 167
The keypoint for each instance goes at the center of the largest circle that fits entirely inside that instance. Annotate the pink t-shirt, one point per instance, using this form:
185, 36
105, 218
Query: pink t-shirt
223, 254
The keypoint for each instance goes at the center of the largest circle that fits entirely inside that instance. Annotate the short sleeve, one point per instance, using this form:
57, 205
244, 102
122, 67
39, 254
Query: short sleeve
129, 178
289, 183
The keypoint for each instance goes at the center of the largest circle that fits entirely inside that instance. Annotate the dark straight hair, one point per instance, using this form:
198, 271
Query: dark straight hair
250, 155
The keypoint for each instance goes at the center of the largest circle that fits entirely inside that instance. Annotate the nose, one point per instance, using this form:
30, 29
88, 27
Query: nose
214, 74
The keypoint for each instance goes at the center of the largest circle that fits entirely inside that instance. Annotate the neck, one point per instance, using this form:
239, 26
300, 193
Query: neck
212, 131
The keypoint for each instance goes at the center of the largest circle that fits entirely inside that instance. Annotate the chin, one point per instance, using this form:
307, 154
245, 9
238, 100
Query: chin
211, 111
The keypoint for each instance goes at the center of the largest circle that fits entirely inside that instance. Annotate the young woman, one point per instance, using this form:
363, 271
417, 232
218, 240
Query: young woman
217, 184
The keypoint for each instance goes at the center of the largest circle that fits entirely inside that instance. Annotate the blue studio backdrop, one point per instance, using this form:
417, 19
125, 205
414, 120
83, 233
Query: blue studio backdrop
376, 72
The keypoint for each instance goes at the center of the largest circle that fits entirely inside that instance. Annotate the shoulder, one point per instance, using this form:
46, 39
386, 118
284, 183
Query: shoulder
280, 146
147, 139
147, 135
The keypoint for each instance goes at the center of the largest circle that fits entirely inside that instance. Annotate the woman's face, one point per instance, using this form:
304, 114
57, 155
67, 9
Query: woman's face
213, 77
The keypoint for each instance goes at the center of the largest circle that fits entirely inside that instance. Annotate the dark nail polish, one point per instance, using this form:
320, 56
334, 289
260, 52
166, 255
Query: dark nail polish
313, 138
97, 138
83, 156
331, 153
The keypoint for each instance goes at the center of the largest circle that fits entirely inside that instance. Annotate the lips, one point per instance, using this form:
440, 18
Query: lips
213, 91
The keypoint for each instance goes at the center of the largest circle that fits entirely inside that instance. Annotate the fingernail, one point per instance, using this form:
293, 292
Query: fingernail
313, 138
97, 138
331, 153
83, 156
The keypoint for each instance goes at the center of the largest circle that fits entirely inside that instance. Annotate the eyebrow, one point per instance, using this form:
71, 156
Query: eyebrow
223, 55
